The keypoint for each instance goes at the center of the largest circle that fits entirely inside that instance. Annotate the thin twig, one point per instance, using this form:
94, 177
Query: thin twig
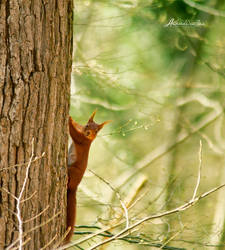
28, 220
169, 212
171, 238
62, 238
176, 210
18, 200
24, 164
165, 149
205, 8
34, 228
129, 238
4, 189
137, 200
199, 171
44, 223
74, 243
28, 198
50, 242
24, 243
118, 196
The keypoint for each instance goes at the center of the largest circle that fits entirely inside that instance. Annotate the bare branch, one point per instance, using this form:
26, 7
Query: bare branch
44, 223
204, 8
171, 238
159, 215
199, 171
24, 243
164, 149
34, 228
90, 236
20, 197
118, 196
62, 239
9, 193
39, 214
24, 164
31, 196
19, 201
50, 242
173, 211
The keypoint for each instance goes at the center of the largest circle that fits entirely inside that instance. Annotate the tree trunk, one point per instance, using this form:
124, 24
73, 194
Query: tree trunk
35, 68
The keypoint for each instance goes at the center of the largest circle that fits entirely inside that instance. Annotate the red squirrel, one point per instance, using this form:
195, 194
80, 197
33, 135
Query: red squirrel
82, 137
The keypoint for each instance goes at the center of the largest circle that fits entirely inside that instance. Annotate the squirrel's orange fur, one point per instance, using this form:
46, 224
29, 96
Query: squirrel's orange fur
82, 137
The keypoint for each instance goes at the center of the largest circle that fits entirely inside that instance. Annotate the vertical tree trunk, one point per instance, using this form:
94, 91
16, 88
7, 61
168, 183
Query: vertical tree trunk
35, 67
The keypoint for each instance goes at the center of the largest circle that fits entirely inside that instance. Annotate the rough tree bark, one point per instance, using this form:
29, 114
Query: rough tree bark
35, 68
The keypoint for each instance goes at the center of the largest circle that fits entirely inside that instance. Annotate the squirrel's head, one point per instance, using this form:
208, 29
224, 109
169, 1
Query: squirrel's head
86, 133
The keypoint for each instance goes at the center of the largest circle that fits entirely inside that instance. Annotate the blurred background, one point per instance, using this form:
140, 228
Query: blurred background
156, 69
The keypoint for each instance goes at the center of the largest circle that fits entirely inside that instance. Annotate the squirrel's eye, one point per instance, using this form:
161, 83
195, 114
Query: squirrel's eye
87, 133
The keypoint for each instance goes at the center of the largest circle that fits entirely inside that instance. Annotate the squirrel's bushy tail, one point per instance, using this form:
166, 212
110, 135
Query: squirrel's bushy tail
71, 213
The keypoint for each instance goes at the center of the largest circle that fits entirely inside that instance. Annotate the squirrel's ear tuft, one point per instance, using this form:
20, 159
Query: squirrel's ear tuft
70, 121
100, 126
92, 117
74, 125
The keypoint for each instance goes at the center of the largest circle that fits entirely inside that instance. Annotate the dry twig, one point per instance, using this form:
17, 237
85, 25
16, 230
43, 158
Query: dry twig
118, 196
151, 217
